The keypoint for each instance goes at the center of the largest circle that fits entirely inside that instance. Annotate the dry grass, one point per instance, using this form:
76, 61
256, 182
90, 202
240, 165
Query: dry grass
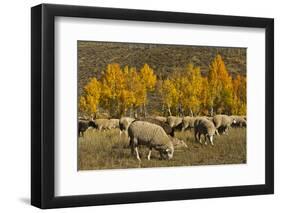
106, 150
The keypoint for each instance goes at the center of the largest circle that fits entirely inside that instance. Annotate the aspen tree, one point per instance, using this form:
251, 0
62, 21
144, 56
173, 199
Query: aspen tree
90, 101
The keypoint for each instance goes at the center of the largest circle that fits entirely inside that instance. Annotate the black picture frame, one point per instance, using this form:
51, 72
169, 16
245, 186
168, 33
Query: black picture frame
43, 102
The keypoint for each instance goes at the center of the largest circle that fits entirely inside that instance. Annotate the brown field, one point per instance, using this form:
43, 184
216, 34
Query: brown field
106, 150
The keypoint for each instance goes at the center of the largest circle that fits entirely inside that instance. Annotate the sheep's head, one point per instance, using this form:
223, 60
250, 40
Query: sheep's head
178, 143
167, 153
92, 124
170, 153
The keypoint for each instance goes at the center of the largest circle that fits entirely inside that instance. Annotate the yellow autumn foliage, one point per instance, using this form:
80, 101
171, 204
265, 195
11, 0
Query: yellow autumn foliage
193, 89
90, 101
239, 95
147, 77
170, 94
120, 90
220, 86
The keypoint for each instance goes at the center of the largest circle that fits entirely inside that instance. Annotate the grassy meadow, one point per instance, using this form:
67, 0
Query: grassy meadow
108, 150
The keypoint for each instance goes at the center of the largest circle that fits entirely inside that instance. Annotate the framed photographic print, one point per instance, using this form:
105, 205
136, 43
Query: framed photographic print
139, 106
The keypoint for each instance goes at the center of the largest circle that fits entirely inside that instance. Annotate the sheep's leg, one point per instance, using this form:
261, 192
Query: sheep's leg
206, 140
132, 150
137, 153
226, 130
200, 138
132, 146
211, 140
196, 135
149, 153
161, 155
183, 128
217, 132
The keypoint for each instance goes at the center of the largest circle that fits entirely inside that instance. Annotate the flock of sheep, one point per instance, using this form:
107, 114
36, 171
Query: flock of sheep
159, 132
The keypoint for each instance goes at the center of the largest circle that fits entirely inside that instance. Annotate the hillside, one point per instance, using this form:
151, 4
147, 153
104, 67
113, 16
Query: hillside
94, 57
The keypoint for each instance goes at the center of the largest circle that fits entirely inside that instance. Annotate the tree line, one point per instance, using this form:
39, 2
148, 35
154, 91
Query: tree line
124, 91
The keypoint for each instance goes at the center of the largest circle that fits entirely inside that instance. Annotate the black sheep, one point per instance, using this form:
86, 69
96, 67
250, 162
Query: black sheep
83, 125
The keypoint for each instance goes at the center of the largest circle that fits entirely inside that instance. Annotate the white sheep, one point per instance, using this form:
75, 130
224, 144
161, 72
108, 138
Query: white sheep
187, 122
113, 123
223, 123
240, 121
203, 126
152, 136
103, 124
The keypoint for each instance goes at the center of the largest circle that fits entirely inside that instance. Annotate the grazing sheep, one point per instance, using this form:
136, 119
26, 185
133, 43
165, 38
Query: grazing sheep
103, 124
100, 123
206, 127
161, 118
83, 125
240, 121
152, 136
187, 123
124, 124
165, 126
113, 123
223, 123
174, 121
